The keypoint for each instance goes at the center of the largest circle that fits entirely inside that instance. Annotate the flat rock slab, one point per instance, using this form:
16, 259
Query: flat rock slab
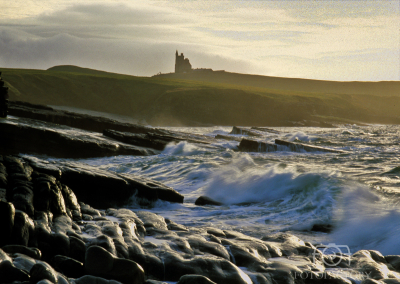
24, 135
154, 140
72, 119
308, 148
104, 189
265, 129
251, 145
245, 131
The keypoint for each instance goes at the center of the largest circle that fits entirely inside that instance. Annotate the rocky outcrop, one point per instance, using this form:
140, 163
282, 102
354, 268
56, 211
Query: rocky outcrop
244, 131
31, 136
92, 185
251, 145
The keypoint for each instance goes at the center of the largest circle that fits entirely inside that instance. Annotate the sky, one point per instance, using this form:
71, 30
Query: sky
314, 39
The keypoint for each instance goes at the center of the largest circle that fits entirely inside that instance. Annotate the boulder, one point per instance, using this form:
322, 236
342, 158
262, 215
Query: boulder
7, 215
89, 279
204, 200
29, 251
68, 266
99, 262
41, 271
77, 249
194, 279
9, 273
23, 229
217, 269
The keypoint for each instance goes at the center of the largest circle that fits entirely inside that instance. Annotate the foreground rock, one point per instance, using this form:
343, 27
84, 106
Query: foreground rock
56, 238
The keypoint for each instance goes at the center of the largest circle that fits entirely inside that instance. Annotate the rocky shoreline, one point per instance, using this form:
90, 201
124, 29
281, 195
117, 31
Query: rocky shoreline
50, 236
66, 223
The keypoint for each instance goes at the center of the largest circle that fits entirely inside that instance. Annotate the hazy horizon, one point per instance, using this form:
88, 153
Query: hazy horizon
326, 40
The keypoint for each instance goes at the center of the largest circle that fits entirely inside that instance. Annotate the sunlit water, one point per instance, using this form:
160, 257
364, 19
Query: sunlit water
263, 193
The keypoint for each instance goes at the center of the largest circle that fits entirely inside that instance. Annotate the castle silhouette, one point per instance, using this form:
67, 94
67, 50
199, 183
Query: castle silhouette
182, 64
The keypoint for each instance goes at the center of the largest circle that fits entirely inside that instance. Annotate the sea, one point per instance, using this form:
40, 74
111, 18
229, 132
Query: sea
356, 194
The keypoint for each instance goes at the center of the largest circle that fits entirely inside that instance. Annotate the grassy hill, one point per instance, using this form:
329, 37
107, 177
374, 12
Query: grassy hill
208, 98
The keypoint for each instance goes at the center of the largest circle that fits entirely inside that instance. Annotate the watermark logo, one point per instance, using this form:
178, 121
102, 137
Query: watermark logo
333, 254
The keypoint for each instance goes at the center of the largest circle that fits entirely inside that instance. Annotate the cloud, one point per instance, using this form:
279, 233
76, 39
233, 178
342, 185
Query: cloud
314, 39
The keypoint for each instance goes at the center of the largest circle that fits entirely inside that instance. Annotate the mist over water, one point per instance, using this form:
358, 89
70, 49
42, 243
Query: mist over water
357, 193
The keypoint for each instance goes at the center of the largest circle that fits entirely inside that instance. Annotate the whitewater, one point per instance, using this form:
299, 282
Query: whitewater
354, 196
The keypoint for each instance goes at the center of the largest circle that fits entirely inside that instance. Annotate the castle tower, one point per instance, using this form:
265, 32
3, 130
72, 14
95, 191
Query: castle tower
182, 64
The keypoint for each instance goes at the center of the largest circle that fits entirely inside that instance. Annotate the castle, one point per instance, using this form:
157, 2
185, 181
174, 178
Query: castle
182, 64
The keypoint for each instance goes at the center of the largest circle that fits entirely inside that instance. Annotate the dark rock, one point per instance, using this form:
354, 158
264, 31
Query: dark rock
3, 180
70, 199
217, 269
105, 242
42, 271
86, 209
216, 232
304, 147
23, 229
60, 244
90, 185
4, 256
89, 279
9, 273
68, 266
7, 214
56, 201
52, 139
99, 262
152, 220
86, 217
195, 279
250, 145
245, 253
150, 281
77, 249
204, 200
41, 199
201, 245
244, 131
23, 200
31, 252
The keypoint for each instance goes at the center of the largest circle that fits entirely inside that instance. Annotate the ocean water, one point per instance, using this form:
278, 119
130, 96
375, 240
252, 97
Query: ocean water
357, 193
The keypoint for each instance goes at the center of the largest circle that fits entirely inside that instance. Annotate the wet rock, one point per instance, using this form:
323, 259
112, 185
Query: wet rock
364, 262
23, 199
216, 232
9, 273
29, 251
195, 279
77, 249
152, 220
99, 262
23, 229
4, 256
245, 253
89, 279
244, 131
68, 266
52, 139
41, 271
86, 209
204, 200
200, 245
217, 269
7, 215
